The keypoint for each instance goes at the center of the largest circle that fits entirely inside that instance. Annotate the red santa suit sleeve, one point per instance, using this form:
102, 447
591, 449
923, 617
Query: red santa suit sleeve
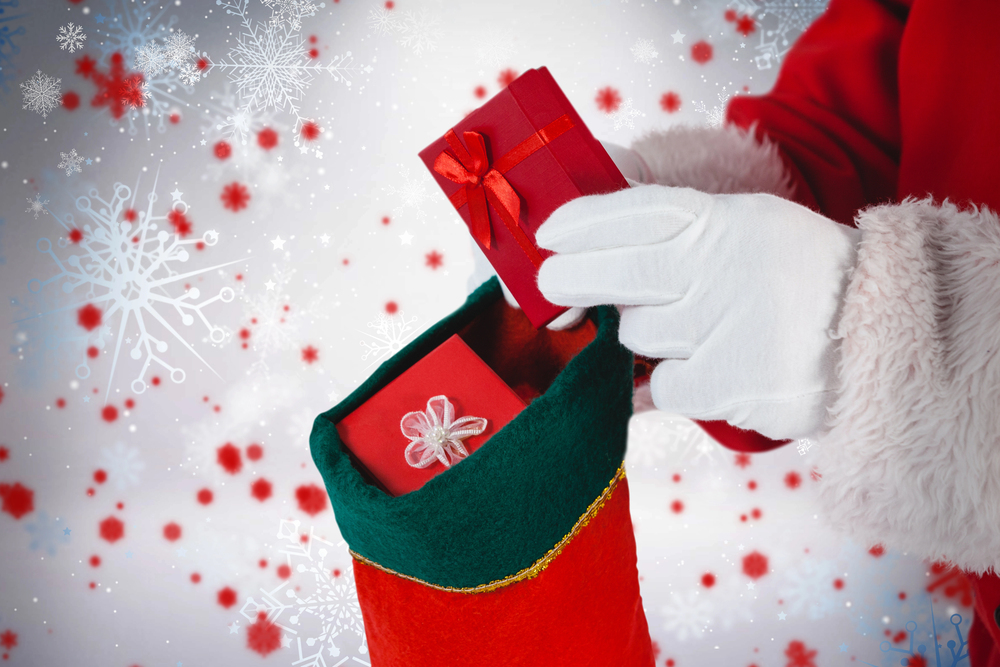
884, 117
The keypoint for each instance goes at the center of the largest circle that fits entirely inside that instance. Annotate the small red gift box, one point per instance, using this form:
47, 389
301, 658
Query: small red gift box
373, 432
508, 165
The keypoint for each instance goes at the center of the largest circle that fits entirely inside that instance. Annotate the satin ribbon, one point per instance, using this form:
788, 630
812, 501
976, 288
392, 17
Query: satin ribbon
437, 435
486, 183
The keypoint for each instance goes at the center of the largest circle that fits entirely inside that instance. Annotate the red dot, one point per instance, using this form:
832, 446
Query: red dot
311, 130
89, 317
386, 220
755, 513
506, 77
60, 402
902, 595
95, 561
313, 39
743, 517
284, 571
267, 138
195, 578
129, 403
4, 453
130, 214
112, 529
391, 307
120, 506
677, 507
752, 485
90, 492
670, 102
255, 452
262, 563
389, 4
93, 585
314, 53
222, 150
730, 15
755, 565
75, 235
175, 118
100, 476
336, 572
708, 580
109, 413
228, 456
480, 92
172, 531
701, 52
261, 489
670, 662
205, 496
311, 498
156, 381
70, 100
838, 584
92, 352
202, 63
793, 480
877, 550
677, 477
227, 597
244, 333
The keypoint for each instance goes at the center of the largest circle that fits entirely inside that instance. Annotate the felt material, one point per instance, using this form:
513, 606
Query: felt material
372, 432
584, 609
507, 504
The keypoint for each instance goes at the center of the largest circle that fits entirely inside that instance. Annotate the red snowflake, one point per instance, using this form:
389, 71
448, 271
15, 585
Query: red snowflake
745, 25
17, 500
800, 655
4, 453
310, 354
434, 259
8, 639
701, 52
222, 149
235, 197
267, 138
952, 581
118, 89
670, 102
182, 226
608, 99
743, 459
263, 636
506, 77
311, 131
89, 317
755, 565
311, 498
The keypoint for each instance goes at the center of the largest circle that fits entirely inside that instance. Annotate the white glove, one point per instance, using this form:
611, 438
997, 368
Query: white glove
739, 294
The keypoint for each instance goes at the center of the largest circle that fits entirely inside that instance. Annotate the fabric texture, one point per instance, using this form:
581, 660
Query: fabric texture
511, 501
737, 294
913, 456
583, 609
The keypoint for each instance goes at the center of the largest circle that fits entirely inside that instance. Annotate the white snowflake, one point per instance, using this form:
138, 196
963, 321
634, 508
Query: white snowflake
37, 205
178, 48
655, 434
625, 114
189, 74
322, 606
779, 22
392, 332
496, 49
383, 21
715, 116
412, 194
46, 533
128, 269
804, 445
150, 59
644, 51
420, 31
809, 589
292, 11
687, 616
123, 465
271, 67
70, 162
70, 37
41, 93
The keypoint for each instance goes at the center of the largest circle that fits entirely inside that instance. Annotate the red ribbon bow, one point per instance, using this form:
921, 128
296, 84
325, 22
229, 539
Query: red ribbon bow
484, 182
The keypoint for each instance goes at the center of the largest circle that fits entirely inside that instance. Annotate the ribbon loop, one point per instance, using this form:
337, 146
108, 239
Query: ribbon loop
469, 165
436, 435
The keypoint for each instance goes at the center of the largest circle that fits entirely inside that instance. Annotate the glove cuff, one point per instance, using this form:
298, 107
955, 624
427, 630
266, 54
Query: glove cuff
717, 160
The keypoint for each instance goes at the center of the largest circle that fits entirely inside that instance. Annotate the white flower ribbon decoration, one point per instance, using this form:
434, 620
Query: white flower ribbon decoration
437, 435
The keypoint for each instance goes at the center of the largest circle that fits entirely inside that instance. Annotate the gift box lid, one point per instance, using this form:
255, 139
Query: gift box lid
372, 432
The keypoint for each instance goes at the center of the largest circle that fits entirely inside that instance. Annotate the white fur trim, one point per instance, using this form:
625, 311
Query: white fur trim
718, 160
911, 458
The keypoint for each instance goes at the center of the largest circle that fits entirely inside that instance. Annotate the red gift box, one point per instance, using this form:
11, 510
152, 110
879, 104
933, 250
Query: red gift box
508, 165
372, 432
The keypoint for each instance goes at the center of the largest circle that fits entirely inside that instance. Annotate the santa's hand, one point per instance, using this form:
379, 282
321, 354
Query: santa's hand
737, 293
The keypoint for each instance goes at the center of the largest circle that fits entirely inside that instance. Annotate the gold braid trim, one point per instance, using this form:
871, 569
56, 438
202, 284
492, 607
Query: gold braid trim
529, 572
